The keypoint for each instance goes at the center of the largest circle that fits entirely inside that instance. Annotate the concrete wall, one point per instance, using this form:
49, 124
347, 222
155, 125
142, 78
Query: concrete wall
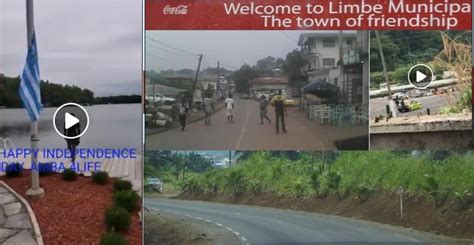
443, 140
438, 132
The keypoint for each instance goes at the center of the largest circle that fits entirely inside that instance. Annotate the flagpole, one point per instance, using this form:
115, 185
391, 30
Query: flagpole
35, 191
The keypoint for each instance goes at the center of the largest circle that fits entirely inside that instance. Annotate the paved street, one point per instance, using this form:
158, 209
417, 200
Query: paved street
256, 225
246, 133
435, 102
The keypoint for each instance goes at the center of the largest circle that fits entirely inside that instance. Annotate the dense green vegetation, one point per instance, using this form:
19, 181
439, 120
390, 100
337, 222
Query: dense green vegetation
54, 95
169, 165
403, 49
436, 175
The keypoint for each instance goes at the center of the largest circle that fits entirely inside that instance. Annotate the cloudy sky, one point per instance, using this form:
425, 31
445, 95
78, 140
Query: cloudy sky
175, 49
89, 43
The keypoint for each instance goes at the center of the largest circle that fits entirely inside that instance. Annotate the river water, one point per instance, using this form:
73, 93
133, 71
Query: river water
111, 126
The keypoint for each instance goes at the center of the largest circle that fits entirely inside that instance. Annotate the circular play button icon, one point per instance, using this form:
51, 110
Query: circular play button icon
71, 121
420, 76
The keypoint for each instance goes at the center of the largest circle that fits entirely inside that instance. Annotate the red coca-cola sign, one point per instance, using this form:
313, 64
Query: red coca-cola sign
176, 10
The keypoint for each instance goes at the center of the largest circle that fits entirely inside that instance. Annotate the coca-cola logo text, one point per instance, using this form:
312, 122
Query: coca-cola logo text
181, 9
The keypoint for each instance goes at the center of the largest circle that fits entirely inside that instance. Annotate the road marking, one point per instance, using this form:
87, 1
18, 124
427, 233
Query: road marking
244, 240
414, 240
243, 127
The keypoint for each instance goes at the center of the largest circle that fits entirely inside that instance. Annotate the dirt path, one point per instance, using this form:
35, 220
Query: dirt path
169, 229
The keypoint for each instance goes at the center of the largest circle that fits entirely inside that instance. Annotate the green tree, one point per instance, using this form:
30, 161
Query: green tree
242, 78
292, 68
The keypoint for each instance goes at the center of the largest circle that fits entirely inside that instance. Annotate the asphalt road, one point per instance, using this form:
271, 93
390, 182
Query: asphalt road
246, 133
434, 102
256, 225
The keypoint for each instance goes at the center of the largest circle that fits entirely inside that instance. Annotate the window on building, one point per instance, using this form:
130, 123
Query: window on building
349, 41
329, 43
331, 62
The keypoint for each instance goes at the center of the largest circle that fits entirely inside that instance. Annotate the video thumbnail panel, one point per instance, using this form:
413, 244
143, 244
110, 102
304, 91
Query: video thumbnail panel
421, 90
266, 197
70, 122
247, 90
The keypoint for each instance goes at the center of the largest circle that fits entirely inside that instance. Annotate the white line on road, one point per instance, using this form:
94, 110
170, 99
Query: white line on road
244, 126
414, 240
209, 221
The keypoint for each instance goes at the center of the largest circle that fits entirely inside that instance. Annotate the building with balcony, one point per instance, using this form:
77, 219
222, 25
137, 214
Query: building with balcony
336, 58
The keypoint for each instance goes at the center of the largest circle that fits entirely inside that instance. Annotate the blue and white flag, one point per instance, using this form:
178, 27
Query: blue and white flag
30, 82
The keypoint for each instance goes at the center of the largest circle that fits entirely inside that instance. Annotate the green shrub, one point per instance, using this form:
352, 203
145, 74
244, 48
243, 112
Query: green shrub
122, 185
299, 187
69, 175
126, 199
362, 191
235, 181
45, 169
13, 170
433, 187
315, 181
255, 186
465, 198
117, 219
100, 178
113, 238
334, 181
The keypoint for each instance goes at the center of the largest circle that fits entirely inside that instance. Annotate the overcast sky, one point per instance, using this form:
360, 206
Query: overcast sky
231, 48
89, 43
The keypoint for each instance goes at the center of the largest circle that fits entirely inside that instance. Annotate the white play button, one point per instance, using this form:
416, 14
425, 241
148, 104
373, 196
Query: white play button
70, 120
420, 76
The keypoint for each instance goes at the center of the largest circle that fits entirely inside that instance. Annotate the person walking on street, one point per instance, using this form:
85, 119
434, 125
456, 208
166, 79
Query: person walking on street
278, 102
208, 107
229, 104
183, 110
263, 109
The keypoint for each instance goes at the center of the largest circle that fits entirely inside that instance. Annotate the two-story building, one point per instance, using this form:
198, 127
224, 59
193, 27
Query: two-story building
340, 64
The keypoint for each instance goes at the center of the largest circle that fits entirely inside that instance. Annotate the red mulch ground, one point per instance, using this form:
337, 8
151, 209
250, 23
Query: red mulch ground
72, 212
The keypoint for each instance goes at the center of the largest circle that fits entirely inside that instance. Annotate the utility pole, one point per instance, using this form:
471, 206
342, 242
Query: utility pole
393, 107
35, 191
197, 74
184, 166
218, 79
230, 158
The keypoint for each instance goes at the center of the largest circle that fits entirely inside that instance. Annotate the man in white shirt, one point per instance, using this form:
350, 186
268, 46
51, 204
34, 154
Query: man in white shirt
229, 104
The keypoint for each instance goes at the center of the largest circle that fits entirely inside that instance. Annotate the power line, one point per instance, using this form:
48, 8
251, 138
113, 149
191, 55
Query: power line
171, 47
151, 45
